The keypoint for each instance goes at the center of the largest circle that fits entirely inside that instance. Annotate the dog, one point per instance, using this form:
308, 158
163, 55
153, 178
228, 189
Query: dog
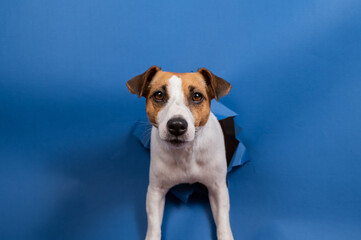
187, 143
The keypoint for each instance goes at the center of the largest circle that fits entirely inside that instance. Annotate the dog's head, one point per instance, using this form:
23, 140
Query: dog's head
178, 104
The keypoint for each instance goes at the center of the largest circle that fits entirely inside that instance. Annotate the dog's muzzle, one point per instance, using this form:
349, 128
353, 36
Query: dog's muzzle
177, 126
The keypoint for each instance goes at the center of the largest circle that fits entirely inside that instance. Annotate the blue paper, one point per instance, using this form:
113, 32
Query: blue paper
143, 129
221, 111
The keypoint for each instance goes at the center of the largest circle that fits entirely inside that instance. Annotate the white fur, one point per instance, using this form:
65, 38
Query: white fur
202, 159
175, 107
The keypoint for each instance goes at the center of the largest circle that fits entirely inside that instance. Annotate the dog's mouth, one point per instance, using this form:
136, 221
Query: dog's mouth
177, 143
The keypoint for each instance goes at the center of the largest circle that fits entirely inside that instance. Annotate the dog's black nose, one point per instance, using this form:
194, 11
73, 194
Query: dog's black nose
177, 126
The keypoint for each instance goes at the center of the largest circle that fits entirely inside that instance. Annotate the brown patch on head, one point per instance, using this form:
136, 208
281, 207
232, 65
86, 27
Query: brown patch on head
201, 82
191, 83
139, 84
158, 83
218, 86
209, 85
194, 83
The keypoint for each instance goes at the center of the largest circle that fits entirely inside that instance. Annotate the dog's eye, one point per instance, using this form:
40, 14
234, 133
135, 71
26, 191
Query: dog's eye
158, 96
197, 97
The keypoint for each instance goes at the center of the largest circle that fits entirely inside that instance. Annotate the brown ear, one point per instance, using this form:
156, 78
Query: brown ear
218, 86
138, 84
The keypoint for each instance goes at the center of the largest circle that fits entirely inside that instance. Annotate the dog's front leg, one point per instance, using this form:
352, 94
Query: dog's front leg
219, 200
155, 207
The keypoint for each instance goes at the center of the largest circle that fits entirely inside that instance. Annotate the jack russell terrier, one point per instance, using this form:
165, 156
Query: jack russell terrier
187, 143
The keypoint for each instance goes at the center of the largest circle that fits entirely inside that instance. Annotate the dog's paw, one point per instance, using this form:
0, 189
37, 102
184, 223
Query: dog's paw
153, 236
224, 236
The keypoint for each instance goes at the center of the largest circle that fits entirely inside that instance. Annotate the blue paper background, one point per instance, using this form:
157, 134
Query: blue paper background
70, 168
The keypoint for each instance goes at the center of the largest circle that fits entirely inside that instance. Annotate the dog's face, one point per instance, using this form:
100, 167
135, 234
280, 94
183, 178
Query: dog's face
178, 104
